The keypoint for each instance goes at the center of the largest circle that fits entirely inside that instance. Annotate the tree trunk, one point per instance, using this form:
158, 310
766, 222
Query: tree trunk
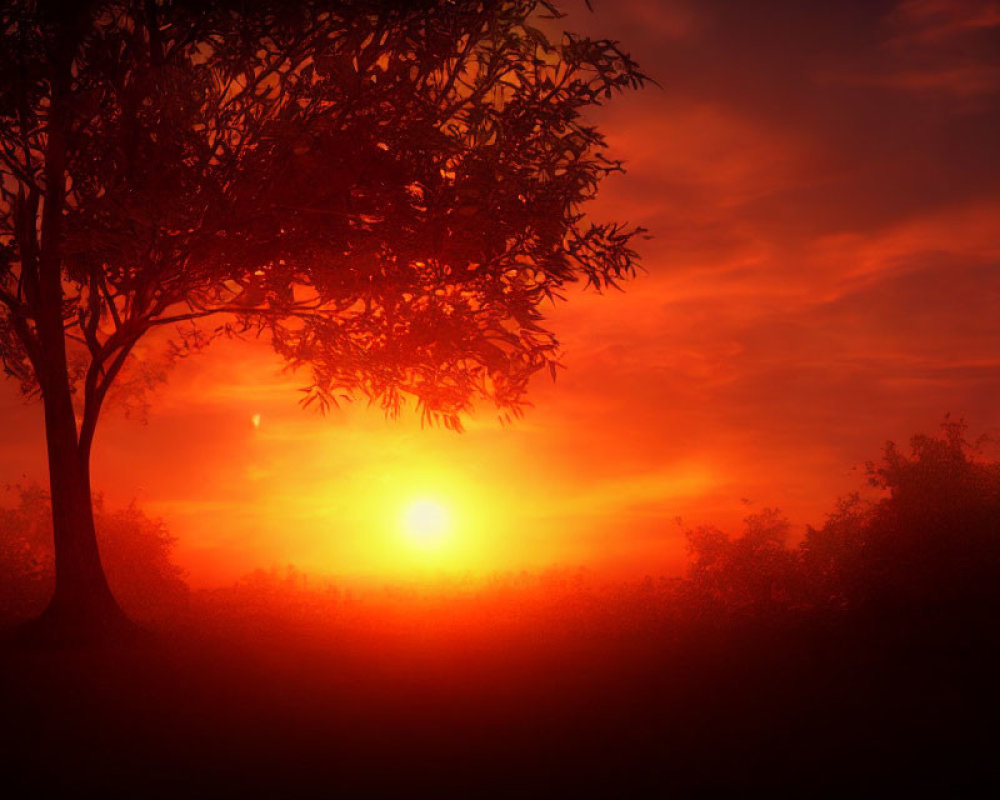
81, 590
82, 608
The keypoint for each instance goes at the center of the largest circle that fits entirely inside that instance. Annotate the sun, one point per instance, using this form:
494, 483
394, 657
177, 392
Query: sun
426, 523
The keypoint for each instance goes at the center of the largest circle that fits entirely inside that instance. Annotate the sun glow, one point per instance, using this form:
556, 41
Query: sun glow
426, 523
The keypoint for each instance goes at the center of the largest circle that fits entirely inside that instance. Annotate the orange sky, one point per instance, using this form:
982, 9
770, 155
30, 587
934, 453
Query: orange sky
822, 183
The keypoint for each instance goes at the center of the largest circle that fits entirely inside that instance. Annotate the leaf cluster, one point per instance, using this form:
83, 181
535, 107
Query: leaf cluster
387, 190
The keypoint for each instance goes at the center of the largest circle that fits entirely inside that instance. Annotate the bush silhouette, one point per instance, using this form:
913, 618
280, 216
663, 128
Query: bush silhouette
929, 547
754, 573
931, 542
135, 551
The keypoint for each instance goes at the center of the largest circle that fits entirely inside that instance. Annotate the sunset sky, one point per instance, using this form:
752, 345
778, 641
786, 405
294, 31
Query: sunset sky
822, 184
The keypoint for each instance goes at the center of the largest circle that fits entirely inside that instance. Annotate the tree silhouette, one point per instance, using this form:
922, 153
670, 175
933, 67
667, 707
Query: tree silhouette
928, 547
387, 190
930, 543
753, 573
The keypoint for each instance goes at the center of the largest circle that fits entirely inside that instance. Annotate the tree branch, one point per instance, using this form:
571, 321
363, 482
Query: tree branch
302, 312
16, 306
109, 299
96, 388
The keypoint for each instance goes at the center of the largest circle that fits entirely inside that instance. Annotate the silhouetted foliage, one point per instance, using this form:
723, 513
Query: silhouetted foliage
135, 549
933, 542
930, 545
387, 191
752, 574
26, 553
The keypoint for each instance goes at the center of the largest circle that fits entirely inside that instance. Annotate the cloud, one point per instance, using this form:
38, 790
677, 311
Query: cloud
935, 21
964, 81
946, 47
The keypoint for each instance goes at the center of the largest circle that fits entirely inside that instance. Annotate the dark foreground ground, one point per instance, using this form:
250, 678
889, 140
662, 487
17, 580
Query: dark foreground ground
430, 699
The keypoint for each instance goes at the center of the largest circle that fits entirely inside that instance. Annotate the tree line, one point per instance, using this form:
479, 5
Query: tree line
923, 543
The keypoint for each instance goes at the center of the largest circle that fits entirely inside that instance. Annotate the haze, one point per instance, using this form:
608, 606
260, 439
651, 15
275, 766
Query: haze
823, 276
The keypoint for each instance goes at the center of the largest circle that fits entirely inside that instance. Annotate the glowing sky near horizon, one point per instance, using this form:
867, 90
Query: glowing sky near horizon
822, 181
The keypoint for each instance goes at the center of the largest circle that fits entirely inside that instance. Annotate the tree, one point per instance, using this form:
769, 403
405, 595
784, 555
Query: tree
752, 573
931, 542
387, 189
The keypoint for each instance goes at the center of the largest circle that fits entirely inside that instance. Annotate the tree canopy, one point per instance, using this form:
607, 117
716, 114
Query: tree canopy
388, 190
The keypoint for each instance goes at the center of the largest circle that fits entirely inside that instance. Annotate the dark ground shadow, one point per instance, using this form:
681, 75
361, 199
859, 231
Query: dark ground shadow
282, 709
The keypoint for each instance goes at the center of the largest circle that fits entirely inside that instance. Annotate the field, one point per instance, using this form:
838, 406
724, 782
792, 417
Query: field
528, 686
861, 659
